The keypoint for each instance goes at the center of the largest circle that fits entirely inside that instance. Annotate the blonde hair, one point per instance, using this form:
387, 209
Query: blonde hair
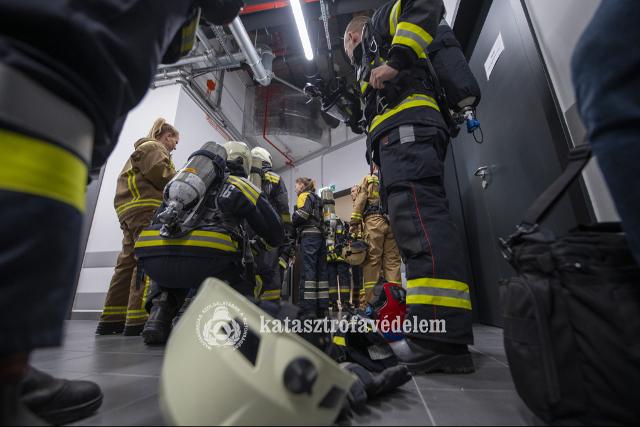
161, 127
308, 183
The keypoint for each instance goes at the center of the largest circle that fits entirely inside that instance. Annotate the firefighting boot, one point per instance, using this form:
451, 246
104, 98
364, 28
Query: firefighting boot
110, 328
427, 357
371, 384
158, 326
58, 401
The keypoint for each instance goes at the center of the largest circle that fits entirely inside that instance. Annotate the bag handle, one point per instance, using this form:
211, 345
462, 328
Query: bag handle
578, 159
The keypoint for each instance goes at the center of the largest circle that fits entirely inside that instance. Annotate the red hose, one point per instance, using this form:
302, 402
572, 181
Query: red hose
289, 160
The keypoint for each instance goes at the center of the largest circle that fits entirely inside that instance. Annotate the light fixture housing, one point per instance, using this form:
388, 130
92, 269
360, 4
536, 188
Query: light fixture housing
302, 29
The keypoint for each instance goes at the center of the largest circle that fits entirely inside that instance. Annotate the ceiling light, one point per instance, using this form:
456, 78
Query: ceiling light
302, 29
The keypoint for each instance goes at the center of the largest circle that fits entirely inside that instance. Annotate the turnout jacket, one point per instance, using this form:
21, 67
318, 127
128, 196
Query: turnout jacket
142, 180
403, 31
368, 199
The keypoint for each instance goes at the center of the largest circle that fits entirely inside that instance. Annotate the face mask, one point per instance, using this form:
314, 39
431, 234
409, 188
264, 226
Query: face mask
358, 53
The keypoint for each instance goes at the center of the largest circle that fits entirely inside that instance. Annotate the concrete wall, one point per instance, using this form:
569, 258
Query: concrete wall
558, 26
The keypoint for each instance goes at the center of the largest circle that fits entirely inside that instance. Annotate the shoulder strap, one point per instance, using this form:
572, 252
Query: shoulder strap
578, 159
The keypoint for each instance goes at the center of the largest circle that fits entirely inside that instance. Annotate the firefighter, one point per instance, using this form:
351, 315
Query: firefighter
217, 245
64, 101
357, 293
274, 262
338, 270
408, 138
138, 195
383, 257
307, 220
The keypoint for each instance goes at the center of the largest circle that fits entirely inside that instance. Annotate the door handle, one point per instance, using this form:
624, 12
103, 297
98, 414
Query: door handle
484, 172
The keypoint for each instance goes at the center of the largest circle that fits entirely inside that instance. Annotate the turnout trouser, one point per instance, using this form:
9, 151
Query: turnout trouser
339, 281
357, 290
314, 280
43, 176
383, 257
127, 292
426, 233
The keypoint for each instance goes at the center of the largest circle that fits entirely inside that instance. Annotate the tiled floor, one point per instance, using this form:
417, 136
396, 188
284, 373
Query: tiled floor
128, 373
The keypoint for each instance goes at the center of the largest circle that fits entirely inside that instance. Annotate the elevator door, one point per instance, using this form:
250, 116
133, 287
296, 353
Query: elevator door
519, 156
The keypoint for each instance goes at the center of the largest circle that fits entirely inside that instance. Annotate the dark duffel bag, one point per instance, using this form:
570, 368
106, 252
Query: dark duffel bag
572, 317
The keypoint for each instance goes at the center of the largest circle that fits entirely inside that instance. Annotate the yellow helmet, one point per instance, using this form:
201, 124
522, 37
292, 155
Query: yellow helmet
239, 152
222, 368
260, 156
355, 252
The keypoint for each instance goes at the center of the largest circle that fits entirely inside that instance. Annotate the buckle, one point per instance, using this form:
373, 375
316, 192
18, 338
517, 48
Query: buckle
506, 245
381, 104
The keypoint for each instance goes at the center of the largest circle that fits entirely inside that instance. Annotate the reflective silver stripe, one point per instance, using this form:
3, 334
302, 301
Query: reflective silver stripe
303, 214
311, 285
29, 106
310, 295
323, 295
407, 134
437, 292
413, 36
323, 285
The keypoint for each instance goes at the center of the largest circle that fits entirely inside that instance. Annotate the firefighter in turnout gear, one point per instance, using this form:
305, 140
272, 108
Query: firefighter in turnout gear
383, 257
138, 195
339, 271
64, 101
408, 138
273, 263
357, 292
216, 245
314, 280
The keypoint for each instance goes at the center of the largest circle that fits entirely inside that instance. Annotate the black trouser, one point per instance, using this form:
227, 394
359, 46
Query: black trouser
356, 271
269, 270
412, 161
178, 275
314, 282
339, 281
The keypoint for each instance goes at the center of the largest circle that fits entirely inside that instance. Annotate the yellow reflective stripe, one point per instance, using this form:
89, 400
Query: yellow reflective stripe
341, 341
363, 87
135, 186
440, 301
133, 194
356, 215
133, 202
302, 200
147, 285
286, 218
196, 233
270, 295
196, 243
414, 45
427, 282
375, 195
394, 17
138, 204
413, 36
412, 101
283, 264
120, 307
370, 285
139, 316
333, 291
249, 192
42, 169
258, 288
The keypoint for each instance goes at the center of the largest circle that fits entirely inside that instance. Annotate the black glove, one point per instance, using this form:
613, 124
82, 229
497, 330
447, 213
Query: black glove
220, 12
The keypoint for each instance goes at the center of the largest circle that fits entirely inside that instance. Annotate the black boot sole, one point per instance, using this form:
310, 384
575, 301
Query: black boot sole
156, 333
72, 414
114, 328
133, 331
443, 363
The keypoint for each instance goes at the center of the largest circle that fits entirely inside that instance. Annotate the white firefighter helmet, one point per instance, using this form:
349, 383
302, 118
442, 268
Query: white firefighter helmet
261, 155
213, 375
239, 152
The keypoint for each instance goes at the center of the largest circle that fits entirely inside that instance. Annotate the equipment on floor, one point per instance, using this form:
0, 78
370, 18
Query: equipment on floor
222, 367
355, 252
185, 193
389, 309
572, 316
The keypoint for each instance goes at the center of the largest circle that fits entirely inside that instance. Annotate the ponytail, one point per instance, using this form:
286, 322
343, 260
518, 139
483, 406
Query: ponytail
161, 127
308, 183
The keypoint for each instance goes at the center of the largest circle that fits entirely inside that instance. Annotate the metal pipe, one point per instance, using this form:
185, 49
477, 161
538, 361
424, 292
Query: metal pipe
260, 73
289, 85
